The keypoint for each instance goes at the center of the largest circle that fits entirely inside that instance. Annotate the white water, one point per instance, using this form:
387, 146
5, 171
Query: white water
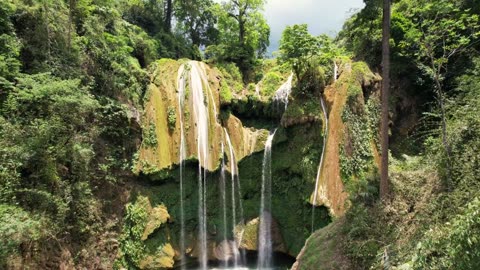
182, 155
319, 171
200, 111
282, 94
234, 176
224, 200
265, 234
335, 71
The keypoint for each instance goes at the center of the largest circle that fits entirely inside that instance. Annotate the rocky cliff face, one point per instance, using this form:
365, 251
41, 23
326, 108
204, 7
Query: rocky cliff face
296, 153
351, 156
350, 140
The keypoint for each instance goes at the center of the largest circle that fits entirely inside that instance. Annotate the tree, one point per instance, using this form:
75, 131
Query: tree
303, 51
196, 19
9, 46
168, 15
438, 32
297, 48
244, 33
384, 189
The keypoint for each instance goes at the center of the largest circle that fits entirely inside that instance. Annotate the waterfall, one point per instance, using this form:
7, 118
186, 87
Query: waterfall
182, 155
325, 132
282, 94
265, 234
200, 111
234, 181
335, 71
224, 200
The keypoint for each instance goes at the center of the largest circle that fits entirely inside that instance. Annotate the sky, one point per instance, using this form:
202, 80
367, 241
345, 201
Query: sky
322, 16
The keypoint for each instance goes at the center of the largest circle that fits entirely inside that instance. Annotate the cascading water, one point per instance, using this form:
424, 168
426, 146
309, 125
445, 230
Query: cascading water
235, 180
282, 94
335, 71
182, 155
265, 234
224, 200
201, 115
319, 171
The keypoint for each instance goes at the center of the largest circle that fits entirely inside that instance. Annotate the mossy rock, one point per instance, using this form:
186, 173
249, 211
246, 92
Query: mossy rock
156, 217
162, 259
323, 250
162, 135
145, 242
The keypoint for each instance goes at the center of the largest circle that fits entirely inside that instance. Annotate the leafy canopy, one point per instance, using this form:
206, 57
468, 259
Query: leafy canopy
303, 51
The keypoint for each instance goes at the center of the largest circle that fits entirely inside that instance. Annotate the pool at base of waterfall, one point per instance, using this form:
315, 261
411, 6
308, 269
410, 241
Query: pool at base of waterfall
280, 261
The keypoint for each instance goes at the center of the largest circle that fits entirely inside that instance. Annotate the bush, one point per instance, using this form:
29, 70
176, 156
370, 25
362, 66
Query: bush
171, 118
270, 83
150, 135
16, 227
225, 93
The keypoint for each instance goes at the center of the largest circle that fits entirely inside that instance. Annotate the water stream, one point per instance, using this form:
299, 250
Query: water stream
283, 92
265, 234
319, 171
200, 111
335, 71
224, 200
193, 74
182, 155
239, 257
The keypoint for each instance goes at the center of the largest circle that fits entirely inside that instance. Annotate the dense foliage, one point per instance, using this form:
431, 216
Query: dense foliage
73, 77
72, 83
431, 220
243, 35
304, 52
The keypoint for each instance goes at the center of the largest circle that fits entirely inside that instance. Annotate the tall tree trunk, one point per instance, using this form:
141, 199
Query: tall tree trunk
71, 6
47, 28
445, 142
168, 16
241, 26
384, 181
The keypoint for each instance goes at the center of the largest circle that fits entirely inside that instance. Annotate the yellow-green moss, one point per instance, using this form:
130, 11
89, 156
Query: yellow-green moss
323, 251
142, 222
162, 259
225, 93
157, 216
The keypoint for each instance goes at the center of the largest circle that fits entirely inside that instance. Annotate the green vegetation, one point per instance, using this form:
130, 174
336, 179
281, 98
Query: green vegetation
141, 221
150, 135
75, 80
271, 82
243, 35
430, 221
171, 118
304, 53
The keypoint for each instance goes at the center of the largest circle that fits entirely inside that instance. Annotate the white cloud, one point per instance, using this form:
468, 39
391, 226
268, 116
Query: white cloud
322, 16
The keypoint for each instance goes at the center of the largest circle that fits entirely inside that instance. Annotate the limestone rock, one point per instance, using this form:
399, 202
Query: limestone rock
331, 191
160, 147
226, 250
157, 216
162, 259
248, 236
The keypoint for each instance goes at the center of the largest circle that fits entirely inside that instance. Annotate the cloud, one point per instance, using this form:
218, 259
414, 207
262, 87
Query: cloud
322, 16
